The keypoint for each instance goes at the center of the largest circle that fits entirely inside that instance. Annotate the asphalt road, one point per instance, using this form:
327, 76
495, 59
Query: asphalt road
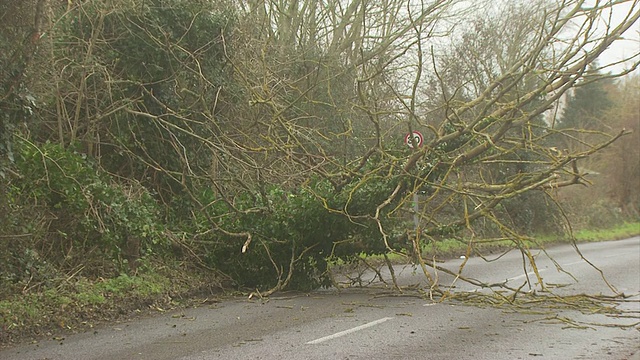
375, 323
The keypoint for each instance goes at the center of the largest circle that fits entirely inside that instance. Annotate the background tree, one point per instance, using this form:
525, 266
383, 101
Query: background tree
587, 104
585, 110
613, 173
621, 163
22, 24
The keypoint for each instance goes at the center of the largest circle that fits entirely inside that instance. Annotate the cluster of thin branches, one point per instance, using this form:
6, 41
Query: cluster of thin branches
329, 92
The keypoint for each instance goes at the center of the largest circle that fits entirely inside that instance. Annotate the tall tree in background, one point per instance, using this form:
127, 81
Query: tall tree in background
19, 35
588, 103
586, 108
487, 49
21, 24
620, 163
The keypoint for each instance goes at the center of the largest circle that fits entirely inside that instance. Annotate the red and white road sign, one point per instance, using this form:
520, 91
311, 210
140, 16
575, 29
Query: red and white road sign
417, 139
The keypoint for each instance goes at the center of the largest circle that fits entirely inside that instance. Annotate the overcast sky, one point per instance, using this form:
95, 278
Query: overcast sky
628, 46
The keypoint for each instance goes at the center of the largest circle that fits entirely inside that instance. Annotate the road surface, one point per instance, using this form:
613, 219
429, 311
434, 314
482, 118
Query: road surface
375, 323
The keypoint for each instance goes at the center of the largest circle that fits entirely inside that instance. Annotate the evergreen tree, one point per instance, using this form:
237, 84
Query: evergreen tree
587, 105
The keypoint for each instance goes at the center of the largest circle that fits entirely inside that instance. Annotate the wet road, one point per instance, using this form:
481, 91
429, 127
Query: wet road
375, 323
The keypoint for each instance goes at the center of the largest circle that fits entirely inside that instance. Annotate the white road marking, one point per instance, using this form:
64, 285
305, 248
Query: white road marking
574, 263
530, 273
349, 331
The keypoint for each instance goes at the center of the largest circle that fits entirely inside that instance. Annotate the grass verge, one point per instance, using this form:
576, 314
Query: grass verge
623, 231
448, 248
78, 304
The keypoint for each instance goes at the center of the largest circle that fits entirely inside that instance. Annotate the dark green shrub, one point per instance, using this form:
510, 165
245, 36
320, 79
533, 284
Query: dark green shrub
89, 217
292, 230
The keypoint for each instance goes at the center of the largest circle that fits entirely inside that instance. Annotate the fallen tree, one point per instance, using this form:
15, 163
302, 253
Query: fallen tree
271, 134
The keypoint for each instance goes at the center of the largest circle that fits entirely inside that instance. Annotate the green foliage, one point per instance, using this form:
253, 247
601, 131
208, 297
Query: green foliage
17, 103
125, 284
531, 213
602, 214
292, 230
77, 302
15, 108
588, 104
23, 267
156, 69
620, 231
89, 213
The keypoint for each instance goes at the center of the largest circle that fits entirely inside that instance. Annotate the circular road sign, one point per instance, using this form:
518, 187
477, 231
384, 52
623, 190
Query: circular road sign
414, 138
